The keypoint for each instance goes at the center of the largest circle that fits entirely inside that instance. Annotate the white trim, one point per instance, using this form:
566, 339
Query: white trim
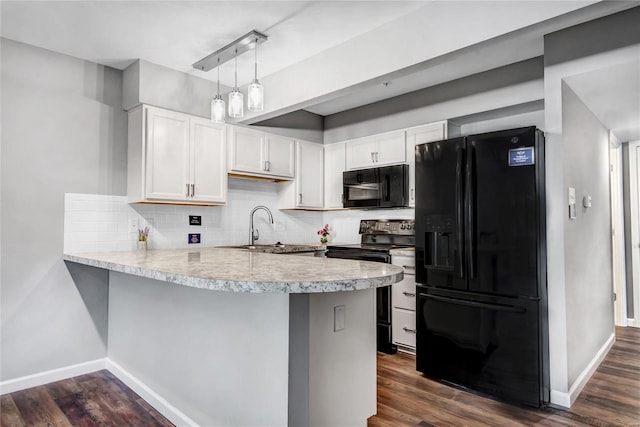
53, 375
632, 323
564, 399
160, 404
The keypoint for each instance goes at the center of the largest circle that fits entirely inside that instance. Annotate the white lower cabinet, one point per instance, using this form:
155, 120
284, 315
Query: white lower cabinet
175, 158
403, 301
306, 191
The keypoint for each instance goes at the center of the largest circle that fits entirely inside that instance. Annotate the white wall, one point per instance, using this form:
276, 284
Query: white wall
591, 46
62, 131
171, 339
588, 261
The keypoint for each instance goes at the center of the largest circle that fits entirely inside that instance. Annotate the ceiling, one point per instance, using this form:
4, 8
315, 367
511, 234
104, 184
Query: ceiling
613, 95
176, 34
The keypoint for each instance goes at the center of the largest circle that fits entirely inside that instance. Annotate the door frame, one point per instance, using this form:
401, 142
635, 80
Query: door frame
617, 231
634, 211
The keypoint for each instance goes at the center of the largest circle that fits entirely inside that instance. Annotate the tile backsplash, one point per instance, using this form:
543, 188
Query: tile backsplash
95, 223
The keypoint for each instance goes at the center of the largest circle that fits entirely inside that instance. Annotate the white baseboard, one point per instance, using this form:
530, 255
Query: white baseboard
172, 413
565, 399
53, 375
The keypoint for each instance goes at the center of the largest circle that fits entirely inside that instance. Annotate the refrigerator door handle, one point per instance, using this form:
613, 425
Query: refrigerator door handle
459, 212
476, 304
471, 195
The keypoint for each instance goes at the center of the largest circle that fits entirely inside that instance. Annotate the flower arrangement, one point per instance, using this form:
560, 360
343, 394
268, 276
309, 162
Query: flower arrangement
324, 232
143, 234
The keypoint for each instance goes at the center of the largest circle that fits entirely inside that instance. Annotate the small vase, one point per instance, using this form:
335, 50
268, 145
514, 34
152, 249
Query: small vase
323, 241
142, 245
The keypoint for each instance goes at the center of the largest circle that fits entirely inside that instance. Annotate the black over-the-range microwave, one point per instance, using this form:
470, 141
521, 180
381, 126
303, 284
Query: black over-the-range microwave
383, 187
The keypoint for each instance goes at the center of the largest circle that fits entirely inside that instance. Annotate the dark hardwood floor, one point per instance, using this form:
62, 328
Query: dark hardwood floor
610, 399
405, 398
96, 399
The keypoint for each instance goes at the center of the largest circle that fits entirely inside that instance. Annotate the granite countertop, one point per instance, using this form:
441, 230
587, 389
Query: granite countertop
240, 270
289, 248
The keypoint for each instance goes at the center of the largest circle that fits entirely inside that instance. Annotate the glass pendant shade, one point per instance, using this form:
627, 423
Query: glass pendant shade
236, 103
255, 95
217, 109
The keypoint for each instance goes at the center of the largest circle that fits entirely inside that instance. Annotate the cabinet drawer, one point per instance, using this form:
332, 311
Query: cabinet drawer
404, 327
403, 294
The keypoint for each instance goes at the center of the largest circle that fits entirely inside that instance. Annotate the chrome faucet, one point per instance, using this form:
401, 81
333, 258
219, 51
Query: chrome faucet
253, 233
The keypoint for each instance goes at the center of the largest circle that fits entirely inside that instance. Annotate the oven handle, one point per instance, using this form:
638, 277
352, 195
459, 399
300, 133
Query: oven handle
360, 257
476, 304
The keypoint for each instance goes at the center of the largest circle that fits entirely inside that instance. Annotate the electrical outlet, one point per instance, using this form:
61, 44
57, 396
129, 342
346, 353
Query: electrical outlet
338, 318
133, 224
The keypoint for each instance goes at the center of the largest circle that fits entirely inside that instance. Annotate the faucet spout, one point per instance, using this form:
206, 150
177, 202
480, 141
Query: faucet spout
253, 232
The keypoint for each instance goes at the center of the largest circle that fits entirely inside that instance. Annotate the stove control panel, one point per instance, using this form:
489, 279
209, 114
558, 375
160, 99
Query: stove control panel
388, 226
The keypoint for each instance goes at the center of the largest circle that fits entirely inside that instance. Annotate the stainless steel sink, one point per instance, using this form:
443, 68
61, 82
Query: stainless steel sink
278, 248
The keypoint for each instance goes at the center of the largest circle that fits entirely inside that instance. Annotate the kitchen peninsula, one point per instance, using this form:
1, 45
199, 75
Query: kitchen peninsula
232, 337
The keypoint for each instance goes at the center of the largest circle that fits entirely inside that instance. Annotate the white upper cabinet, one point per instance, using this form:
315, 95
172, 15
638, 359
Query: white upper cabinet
306, 191
377, 150
175, 158
334, 165
420, 135
280, 155
256, 153
208, 141
167, 159
246, 150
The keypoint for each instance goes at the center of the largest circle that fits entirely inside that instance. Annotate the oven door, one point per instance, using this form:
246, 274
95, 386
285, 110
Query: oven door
361, 188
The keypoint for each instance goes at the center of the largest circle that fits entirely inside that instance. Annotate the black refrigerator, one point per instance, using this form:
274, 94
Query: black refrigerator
481, 264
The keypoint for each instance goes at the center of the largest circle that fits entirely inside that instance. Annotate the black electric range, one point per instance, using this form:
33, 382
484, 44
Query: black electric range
377, 238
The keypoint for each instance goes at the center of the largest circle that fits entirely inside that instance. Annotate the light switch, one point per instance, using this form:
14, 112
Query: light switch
338, 318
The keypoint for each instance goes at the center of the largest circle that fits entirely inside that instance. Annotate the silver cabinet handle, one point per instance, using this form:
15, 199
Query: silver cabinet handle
268, 165
299, 198
193, 190
264, 167
412, 194
377, 160
187, 195
408, 294
411, 331
373, 159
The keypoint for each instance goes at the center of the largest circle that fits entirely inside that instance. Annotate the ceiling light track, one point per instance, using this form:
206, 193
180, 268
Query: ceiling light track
238, 47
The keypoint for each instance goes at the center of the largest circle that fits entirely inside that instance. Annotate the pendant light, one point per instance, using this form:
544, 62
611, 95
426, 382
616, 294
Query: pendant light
217, 104
255, 92
236, 100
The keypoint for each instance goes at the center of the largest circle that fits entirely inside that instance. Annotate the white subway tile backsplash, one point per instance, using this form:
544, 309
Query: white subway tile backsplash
101, 223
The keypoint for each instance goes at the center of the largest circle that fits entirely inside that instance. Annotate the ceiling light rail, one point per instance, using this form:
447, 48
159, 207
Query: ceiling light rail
238, 47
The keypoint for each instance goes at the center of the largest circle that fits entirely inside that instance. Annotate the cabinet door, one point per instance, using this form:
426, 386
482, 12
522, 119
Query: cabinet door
167, 157
246, 150
421, 135
390, 148
280, 156
334, 165
360, 153
309, 182
208, 165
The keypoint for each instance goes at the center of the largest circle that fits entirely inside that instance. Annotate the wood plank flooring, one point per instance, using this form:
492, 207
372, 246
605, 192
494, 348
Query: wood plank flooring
610, 399
405, 398
96, 399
